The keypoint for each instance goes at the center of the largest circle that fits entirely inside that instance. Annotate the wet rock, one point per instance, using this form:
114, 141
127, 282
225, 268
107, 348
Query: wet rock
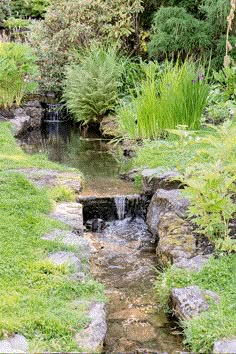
109, 126
154, 179
51, 178
95, 225
225, 346
91, 338
70, 214
66, 258
166, 219
131, 175
70, 239
27, 117
14, 344
193, 264
190, 301
6, 114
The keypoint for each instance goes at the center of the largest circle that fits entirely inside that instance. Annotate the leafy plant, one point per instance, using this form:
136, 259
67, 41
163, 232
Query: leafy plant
17, 68
91, 88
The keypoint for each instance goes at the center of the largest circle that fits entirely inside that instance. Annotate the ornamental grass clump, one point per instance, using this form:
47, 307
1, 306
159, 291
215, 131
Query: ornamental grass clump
91, 87
183, 92
17, 71
164, 100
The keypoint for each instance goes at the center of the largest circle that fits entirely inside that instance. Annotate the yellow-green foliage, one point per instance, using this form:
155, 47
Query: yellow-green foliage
17, 68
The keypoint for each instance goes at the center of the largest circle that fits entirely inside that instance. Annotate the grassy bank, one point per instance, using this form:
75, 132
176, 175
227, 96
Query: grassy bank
36, 298
219, 321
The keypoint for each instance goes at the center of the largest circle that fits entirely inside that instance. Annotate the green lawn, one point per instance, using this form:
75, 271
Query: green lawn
36, 298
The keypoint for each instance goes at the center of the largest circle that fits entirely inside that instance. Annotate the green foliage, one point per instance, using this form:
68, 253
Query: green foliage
28, 8
183, 92
176, 31
218, 322
91, 88
61, 194
4, 10
17, 68
211, 185
16, 23
73, 24
177, 97
139, 118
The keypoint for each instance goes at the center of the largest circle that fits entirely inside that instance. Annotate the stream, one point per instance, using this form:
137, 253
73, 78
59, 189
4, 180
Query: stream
124, 258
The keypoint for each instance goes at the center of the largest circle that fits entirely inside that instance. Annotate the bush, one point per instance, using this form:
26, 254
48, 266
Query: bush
29, 8
4, 11
73, 24
176, 31
17, 68
91, 88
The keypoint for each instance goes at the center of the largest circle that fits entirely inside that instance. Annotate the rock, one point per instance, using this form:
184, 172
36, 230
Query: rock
65, 258
95, 225
14, 344
193, 264
91, 338
166, 219
225, 346
140, 331
109, 126
70, 214
51, 178
154, 179
78, 277
21, 122
130, 175
190, 301
70, 239
6, 114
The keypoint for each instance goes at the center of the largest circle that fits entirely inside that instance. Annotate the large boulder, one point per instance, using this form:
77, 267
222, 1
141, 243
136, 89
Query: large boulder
154, 179
190, 301
166, 219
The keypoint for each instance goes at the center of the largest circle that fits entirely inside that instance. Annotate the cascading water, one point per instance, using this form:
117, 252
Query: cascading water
53, 113
120, 206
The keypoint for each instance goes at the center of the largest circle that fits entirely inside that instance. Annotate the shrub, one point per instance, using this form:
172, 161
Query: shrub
91, 88
28, 8
176, 31
4, 11
72, 24
17, 67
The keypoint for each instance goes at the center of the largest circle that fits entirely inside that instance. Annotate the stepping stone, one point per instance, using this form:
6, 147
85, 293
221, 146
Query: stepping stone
225, 346
65, 258
14, 344
70, 239
70, 214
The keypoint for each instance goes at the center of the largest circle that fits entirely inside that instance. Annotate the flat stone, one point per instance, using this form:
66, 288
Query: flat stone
194, 264
70, 214
65, 258
225, 346
189, 301
91, 338
132, 313
14, 344
71, 239
51, 178
154, 179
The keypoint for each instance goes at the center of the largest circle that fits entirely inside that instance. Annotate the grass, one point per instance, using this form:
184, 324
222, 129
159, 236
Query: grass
36, 298
219, 321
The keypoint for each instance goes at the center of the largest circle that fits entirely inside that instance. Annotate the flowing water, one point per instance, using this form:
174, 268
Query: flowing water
124, 258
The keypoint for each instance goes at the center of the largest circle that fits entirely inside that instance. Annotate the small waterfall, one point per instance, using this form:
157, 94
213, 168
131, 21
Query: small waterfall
53, 113
120, 206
